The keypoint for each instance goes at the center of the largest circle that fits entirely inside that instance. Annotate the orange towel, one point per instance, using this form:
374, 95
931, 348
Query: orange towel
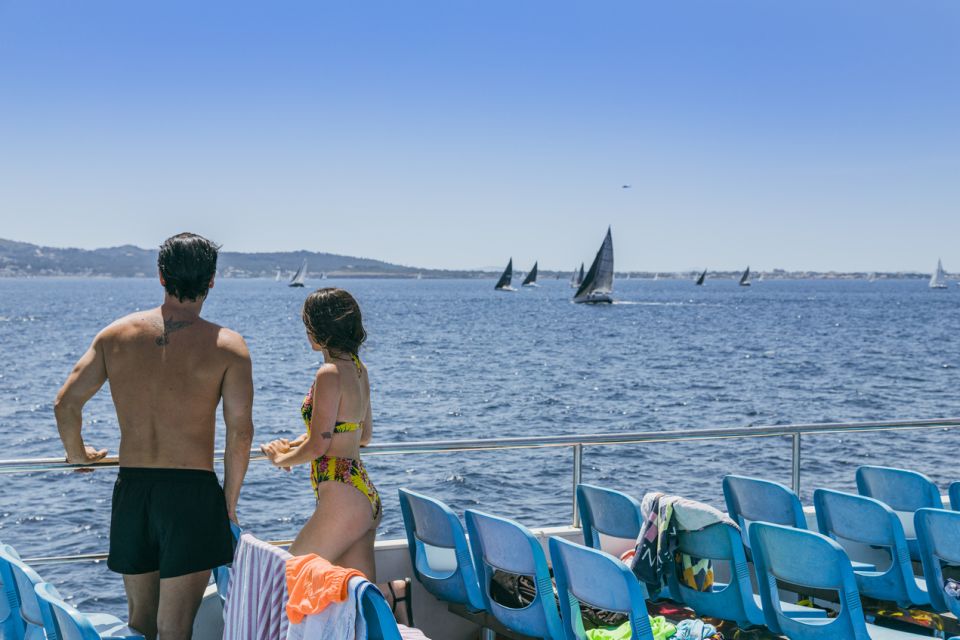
313, 583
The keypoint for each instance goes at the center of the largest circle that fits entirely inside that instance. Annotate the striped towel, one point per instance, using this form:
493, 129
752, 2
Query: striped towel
254, 609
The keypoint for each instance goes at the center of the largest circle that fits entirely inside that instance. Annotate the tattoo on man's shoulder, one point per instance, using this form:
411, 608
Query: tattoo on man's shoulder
171, 326
327, 435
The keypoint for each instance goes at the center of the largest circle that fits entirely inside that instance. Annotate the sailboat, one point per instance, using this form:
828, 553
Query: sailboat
299, 276
939, 279
277, 279
656, 276
531, 279
503, 284
745, 278
577, 278
598, 283
872, 277
703, 276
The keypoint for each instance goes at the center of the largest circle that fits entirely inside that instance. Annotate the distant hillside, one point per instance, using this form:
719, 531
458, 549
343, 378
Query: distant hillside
24, 259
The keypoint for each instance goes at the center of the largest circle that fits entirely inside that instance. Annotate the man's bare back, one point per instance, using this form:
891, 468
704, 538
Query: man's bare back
166, 372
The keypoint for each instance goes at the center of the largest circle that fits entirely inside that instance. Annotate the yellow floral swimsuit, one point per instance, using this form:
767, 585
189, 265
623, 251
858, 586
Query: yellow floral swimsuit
346, 470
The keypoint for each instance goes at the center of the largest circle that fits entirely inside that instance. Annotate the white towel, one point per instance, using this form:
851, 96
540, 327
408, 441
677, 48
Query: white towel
254, 609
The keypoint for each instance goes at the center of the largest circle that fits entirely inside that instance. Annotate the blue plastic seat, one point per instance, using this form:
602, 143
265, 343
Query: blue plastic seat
12, 626
800, 557
733, 601
938, 532
903, 491
752, 500
607, 512
22, 597
381, 625
598, 579
501, 544
844, 516
62, 622
439, 552
221, 574
954, 492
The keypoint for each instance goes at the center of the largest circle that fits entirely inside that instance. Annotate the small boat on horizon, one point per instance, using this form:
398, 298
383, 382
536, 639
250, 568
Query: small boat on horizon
531, 279
598, 282
745, 278
703, 276
504, 283
577, 278
277, 279
939, 278
300, 276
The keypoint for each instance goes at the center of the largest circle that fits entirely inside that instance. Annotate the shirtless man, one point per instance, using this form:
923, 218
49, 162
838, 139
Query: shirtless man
168, 370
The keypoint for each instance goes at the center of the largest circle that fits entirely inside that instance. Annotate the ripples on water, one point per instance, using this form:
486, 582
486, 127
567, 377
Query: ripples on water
454, 359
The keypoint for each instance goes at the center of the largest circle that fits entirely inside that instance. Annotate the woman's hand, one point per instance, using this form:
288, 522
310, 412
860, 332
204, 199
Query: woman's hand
274, 449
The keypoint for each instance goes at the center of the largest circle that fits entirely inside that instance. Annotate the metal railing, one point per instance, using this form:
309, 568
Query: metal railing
576, 443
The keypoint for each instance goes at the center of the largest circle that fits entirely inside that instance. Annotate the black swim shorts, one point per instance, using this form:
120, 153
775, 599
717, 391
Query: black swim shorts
169, 520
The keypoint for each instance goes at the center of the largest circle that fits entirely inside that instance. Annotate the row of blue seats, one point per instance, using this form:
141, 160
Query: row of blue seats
32, 609
457, 572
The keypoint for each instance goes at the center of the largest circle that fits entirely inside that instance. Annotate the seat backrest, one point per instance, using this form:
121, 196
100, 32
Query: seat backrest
607, 512
755, 500
902, 490
439, 552
718, 542
381, 625
811, 560
24, 580
954, 492
598, 579
498, 543
845, 516
60, 620
11, 624
938, 532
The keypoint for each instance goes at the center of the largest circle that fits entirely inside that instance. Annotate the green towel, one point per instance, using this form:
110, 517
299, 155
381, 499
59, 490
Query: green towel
661, 631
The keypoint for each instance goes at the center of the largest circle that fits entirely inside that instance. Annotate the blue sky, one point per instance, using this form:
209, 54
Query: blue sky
820, 134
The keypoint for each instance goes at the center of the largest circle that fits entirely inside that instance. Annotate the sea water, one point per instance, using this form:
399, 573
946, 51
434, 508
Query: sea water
455, 359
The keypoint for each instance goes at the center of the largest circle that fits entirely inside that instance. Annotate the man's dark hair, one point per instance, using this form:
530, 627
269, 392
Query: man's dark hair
187, 263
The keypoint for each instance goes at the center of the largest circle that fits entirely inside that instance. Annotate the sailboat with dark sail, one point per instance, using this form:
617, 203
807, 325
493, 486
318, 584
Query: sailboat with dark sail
300, 276
745, 278
503, 284
703, 276
598, 282
531, 279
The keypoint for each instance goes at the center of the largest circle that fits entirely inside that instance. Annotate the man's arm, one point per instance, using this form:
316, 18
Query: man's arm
84, 381
237, 393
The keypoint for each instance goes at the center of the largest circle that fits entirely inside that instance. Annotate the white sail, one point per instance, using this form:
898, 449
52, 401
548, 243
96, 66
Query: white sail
300, 276
277, 279
939, 278
598, 282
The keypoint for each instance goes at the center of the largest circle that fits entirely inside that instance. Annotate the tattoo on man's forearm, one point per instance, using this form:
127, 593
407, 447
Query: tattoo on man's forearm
171, 326
326, 435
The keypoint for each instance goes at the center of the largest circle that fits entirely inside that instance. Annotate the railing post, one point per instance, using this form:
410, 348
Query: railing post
577, 476
796, 464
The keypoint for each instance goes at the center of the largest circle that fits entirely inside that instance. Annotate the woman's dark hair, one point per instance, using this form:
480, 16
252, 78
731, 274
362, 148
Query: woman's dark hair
332, 317
187, 263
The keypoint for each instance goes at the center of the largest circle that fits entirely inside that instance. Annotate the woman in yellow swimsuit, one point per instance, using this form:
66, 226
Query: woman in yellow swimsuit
338, 422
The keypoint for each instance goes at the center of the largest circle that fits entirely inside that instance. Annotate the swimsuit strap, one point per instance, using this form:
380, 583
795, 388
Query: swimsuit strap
356, 361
